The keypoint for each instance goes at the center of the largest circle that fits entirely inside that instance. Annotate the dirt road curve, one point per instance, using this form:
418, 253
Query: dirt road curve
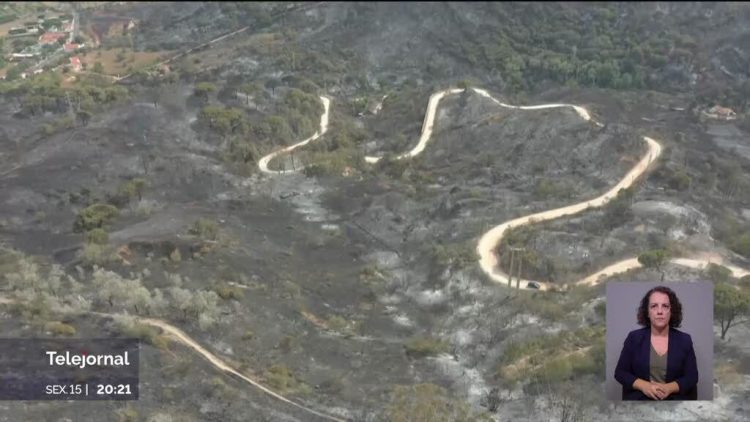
488, 242
263, 162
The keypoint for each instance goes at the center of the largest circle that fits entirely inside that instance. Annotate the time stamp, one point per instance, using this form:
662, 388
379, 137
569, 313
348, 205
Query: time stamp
84, 390
69, 369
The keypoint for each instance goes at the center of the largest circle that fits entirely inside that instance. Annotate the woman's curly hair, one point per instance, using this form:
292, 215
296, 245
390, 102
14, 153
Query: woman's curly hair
675, 318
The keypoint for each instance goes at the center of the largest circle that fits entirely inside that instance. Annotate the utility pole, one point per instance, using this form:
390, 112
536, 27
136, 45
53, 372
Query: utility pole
520, 266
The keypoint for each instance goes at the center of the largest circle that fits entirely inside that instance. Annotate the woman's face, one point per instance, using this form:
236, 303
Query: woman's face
659, 310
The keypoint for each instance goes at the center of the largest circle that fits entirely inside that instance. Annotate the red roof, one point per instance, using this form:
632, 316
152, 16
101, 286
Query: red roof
68, 47
50, 37
75, 62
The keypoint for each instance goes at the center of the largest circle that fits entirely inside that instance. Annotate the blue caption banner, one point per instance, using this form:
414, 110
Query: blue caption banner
69, 369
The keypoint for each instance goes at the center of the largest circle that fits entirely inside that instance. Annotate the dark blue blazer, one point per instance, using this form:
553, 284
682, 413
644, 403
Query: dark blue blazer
635, 358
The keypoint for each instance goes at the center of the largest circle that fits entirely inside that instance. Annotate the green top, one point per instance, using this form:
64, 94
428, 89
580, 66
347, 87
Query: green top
658, 366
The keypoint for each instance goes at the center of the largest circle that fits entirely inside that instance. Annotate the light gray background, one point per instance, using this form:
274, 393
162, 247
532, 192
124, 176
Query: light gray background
697, 300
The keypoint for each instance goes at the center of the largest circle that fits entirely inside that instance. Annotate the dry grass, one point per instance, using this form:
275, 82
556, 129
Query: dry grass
218, 52
728, 375
132, 59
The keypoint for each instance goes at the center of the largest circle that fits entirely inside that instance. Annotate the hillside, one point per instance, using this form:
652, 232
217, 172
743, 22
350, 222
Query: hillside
330, 287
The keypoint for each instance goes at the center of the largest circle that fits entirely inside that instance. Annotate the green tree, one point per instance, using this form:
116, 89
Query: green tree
223, 120
203, 89
618, 210
249, 89
718, 273
730, 305
97, 236
134, 188
654, 259
94, 216
273, 84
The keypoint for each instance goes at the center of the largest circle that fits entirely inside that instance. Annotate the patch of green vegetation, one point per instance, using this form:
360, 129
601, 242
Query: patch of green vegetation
98, 254
146, 333
554, 307
175, 256
97, 236
429, 403
459, 254
127, 414
734, 233
228, 292
549, 189
554, 359
372, 274
9, 261
333, 163
425, 346
129, 191
281, 379
342, 325
205, 229
58, 328
94, 216
45, 93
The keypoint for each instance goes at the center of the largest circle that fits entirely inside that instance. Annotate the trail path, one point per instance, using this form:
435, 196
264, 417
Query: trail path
179, 336
183, 338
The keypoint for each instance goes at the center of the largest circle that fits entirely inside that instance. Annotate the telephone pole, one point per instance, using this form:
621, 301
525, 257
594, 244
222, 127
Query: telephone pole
520, 266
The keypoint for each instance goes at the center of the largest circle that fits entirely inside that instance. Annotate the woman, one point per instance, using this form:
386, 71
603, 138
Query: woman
657, 362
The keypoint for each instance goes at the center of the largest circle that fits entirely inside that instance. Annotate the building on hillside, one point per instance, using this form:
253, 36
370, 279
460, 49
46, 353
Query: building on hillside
52, 37
68, 47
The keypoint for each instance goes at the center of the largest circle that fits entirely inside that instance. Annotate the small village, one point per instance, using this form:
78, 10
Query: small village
51, 40
42, 42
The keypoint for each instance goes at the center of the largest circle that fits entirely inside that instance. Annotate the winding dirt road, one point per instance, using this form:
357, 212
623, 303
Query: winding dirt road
489, 240
263, 162
487, 243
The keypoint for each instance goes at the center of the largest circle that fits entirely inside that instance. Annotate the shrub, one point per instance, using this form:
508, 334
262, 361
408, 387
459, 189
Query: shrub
280, 378
205, 228
94, 216
97, 236
718, 273
144, 332
425, 346
60, 328
96, 254
555, 370
428, 403
227, 291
